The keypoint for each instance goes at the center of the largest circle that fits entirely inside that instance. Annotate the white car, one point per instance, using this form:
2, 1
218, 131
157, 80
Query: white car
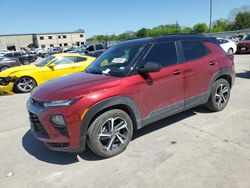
227, 45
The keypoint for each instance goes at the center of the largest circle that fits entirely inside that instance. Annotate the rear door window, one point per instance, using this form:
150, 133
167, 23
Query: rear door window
99, 47
163, 53
193, 50
80, 59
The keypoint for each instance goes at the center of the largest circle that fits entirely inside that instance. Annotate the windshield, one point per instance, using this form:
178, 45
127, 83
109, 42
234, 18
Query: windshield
247, 37
44, 61
116, 60
79, 49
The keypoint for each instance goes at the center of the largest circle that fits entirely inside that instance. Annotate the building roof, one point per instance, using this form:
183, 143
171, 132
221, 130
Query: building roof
50, 33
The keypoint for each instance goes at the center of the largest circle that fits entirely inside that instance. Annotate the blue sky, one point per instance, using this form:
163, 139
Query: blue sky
106, 16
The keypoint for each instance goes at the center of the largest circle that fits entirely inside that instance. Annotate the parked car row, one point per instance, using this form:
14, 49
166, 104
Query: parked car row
24, 58
23, 79
232, 46
244, 45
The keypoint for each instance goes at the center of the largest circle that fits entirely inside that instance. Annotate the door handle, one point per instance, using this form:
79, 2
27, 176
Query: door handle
212, 63
176, 72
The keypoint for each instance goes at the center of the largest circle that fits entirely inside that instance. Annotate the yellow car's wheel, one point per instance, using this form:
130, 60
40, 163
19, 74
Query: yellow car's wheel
25, 84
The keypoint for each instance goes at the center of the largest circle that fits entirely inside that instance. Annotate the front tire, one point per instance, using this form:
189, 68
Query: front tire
25, 85
219, 96
110, 133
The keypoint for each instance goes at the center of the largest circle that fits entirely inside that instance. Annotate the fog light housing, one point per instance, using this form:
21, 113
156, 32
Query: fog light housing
58, 120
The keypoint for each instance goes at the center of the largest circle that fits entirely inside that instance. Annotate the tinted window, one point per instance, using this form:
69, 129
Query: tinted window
193, 50
41, 38
163, 53
9, 55
99, 47
90, 48
79, 59
64, 36
64, 61
50, 37
222, 41
247, 37
17, 54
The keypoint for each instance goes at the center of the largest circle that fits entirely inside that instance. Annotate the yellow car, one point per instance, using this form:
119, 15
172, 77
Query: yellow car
23, 79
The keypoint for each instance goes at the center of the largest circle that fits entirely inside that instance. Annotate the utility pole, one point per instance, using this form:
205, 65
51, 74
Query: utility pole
210, 20
176, 26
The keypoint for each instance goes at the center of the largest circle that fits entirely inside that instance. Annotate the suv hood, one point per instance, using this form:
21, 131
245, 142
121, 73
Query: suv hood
12, 70
73, 86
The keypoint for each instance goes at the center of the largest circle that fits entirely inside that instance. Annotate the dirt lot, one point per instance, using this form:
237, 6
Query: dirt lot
193, 149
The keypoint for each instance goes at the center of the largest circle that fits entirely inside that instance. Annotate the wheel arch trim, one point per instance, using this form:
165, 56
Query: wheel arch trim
106, 104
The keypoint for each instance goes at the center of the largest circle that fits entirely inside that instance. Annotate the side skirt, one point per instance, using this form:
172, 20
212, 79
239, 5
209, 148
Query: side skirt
175, 109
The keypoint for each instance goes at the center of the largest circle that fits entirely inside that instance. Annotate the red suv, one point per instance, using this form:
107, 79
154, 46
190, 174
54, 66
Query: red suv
132, 84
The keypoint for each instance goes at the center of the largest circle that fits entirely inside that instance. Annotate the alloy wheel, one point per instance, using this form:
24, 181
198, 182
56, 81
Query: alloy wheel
26, 62
222, 95
113, 134
26, 84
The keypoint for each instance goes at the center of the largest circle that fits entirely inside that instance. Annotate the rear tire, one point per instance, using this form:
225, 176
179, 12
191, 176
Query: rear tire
219, 96
230, 51
26, 62
110, 133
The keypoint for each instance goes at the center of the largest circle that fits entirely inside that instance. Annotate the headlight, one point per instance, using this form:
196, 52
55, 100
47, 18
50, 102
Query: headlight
61, 103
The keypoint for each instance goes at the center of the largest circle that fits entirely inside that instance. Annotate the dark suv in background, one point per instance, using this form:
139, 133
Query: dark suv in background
132, 84
7, 62
23, 57
95, 49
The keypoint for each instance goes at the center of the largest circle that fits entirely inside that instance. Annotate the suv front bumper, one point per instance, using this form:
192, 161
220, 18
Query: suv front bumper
44, 131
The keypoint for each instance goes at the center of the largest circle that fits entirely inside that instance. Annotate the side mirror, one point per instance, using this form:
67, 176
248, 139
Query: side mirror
150, 67
51, 65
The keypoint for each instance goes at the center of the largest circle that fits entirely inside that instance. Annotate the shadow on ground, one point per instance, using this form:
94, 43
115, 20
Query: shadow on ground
42, 153
245, 75
169, 121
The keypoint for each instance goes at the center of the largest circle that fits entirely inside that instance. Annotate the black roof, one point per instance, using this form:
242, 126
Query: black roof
171, 37
198, 37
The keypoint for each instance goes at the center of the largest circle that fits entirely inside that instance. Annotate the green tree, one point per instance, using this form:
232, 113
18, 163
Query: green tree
142, 33
221, 25
200, 28
242, 21
186, 30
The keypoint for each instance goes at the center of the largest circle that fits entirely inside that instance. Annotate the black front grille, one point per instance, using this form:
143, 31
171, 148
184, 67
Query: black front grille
59, 145
38, 127
4, 82
62, 130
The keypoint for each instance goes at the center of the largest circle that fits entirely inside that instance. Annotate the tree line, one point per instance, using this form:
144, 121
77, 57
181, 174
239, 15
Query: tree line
241, 21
